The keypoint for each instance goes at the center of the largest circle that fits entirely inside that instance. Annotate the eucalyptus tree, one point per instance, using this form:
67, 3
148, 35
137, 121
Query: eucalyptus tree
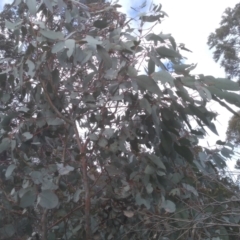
225, 41
95, 143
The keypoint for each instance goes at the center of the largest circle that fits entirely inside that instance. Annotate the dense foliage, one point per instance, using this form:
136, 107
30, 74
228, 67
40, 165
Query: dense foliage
98, 136
226, 42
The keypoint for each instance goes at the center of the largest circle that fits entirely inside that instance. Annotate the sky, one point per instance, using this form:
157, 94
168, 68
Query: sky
190, 22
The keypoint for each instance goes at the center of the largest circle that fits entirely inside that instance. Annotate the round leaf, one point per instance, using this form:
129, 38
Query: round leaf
47, 199
28, 199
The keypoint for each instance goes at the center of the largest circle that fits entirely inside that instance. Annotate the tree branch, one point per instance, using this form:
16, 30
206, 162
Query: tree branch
82, 148
64, 217
225, 105
53, 107
44, 224
83, 161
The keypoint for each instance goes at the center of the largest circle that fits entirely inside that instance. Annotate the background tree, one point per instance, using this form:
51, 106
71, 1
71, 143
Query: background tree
93, 147
226, 42
233, 131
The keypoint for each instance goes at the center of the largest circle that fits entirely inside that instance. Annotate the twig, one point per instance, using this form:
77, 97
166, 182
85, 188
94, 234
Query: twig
64, 217
44, 224
225, 105
83, 160
53, 107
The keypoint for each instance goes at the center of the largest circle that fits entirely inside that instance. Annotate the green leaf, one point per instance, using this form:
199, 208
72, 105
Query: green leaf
7, 231
184, 152
157, 161
147, 83
219, 142
55, 122
92, 41
108, 132
48, 185
168, 206
173, 42
102, 142
48, 4
59, 46
149, 170
37, 177
64, 169
28, 198
13, 26
164, 77
48, 199
5, 144
154, 37
151, 66
132, 72
31, 68
93, 137
70, 44
175, 191
5, 98
221, 83
166, 141
212, 127
10, 170
76, 195
32, 6
52, 34
226, 152
190, 189
167, 52
197, 111
205, 93
144, 104
149, 188
100, 24
105, 56
219, 161
141, 201
176, 178
27, 135
151, 18
7, 119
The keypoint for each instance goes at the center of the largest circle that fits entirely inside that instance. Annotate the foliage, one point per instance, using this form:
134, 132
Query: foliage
233, 131
93, 147
226, 43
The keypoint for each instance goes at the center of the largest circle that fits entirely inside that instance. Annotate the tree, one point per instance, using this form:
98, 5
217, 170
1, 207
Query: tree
233, 131
226, 43
93, 147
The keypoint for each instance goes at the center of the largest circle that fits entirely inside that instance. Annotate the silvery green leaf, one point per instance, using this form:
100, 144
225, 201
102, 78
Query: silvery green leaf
48, 199
64, 170
27, 135
70, 44
164, 77
10, 170
32, 6
59, 46
52, 34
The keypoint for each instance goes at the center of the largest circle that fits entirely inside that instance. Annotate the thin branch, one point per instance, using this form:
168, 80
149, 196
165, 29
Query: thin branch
64, 217
44, 224
225, 105
53, 107
83, 160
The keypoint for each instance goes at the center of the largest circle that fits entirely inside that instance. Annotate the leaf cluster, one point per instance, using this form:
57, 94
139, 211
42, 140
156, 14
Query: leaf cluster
98, 137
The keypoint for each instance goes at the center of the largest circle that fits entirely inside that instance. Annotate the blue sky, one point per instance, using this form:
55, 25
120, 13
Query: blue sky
2, 2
